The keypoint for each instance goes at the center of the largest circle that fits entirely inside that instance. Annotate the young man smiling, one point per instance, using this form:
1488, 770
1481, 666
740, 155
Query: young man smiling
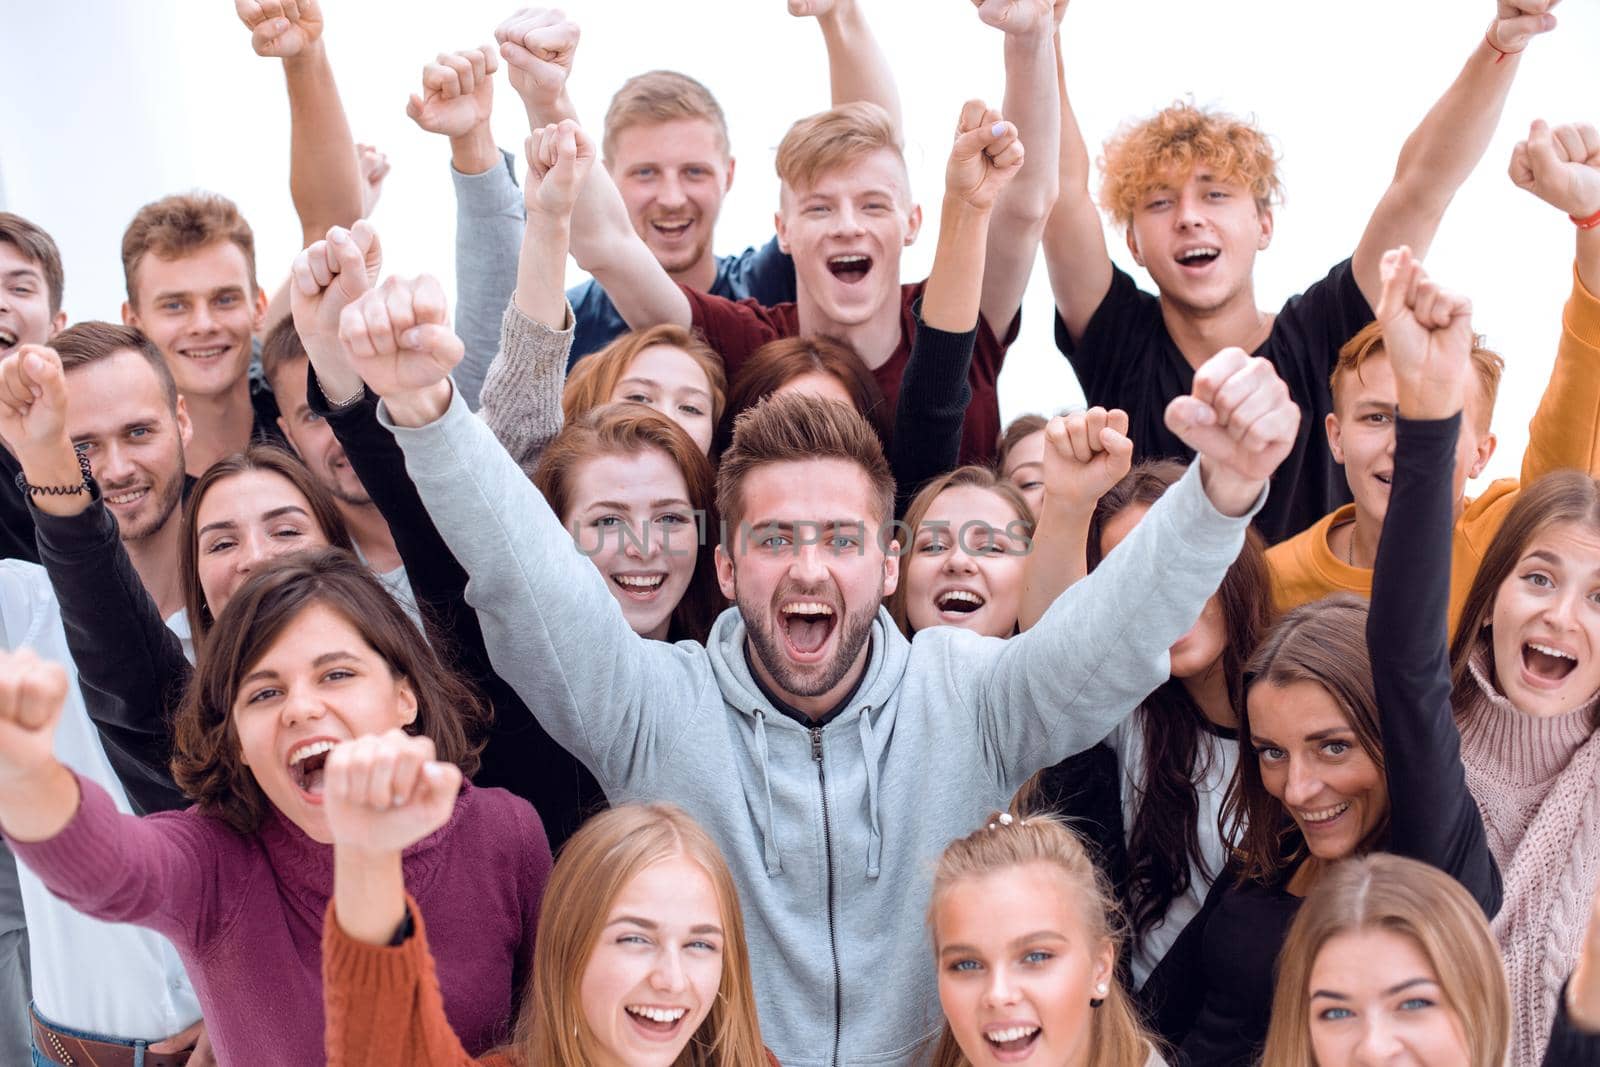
1560, 166
831, 758
1194, 190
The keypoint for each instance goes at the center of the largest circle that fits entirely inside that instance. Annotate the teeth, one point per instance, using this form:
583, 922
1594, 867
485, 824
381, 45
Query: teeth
807, 608
660, 1015
1556, 652
961, 595
845, 261
1324, 814
205, 353
1196, 253
684, 225
1011, 1033
639, 581
316, 748
126, 498
7, 338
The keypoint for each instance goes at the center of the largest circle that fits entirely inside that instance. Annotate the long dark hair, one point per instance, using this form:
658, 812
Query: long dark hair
1164, 840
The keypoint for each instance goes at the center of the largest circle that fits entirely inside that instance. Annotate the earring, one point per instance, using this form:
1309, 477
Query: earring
1101, 989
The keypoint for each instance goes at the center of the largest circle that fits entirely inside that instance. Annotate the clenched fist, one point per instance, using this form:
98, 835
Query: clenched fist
33, 400
1085, 454
1427, 335
32, 694
985, 157
1561, 166
538, 45
398, 338
281, 29
1241, 422
385, 792
457, 92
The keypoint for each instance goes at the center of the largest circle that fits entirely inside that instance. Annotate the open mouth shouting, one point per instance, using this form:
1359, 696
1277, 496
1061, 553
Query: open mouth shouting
1197, 257
670, 230
642, 586
8, 339
956, 606
656, 1023
1321, 820
1012, 1042
1546, 666
307, 762
851, 267
806, 626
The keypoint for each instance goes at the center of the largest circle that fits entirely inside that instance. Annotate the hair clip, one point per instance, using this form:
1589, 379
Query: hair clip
1004, 820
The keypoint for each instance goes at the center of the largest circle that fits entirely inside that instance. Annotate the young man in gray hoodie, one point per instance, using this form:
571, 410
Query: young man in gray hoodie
831, 758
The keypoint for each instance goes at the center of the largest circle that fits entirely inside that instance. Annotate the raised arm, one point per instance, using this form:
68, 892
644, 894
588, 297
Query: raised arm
539, 48
1032, 103
456, 102
1074, 239
857, 67
934, 392
38, 796
1452, 137
1427, 333
522, 394
1085, 454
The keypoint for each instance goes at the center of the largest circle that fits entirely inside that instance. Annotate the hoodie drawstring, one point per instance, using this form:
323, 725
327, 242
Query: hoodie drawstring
769, 847
869, 751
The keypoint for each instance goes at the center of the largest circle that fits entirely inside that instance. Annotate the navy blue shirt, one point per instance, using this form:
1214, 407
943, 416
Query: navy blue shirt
764, 274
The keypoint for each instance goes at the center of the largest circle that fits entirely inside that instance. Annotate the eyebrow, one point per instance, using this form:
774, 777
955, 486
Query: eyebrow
618, 505
218, 291
321, 661
652, 383
650, 924
136, 424
1021, 466
268, 516
1391, 991
24, 272
1015, 942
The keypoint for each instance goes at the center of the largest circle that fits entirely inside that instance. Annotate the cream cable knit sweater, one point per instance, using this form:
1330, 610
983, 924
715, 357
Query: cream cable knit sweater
1537, 783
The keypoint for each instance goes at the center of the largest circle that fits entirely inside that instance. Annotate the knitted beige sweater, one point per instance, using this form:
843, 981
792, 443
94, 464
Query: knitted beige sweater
1537, 783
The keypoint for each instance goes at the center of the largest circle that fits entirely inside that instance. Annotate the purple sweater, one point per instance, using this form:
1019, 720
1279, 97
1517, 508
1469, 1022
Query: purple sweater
246, 912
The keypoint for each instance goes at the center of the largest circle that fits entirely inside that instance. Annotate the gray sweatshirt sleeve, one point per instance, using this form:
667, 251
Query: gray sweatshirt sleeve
521, 399
552, 629
1101, 648
489, 223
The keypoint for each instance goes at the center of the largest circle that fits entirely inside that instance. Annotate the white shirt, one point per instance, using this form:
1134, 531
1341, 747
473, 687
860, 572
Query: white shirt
1217, 757
110, 979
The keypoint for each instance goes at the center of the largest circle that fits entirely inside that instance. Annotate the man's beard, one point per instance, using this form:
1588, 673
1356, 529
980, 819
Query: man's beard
165, 498
813, 680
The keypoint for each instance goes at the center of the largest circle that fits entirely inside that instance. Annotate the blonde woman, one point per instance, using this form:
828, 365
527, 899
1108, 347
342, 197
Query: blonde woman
640, 960
1025, 939
1390, 961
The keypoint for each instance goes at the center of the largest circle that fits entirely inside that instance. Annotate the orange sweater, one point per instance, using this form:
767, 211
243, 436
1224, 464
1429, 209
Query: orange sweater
1565, 432
384, 1008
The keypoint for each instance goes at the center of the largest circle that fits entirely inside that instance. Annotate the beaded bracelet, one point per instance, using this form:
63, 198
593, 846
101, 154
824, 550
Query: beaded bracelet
57, 490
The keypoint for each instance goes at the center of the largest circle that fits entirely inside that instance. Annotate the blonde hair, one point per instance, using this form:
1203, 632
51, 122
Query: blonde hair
824, 142
1417, 901
1116, 1039
1143, 156
658, 96
594, 378
595, 865
1368, 343
180, 225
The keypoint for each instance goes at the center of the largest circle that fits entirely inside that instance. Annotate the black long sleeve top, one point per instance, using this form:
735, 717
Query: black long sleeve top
930, 410
1211, 996
519, 755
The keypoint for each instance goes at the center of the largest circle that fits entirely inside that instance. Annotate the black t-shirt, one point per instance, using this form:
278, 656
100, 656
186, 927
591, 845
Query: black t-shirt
1126, 359
16, 525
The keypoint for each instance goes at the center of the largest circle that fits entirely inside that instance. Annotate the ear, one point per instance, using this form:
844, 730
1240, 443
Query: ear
185, 425
58, 323
406, 706
283, 428
130, 317
727, 179
891, 569
258, 321
1485, 451
782, 231
1133, 246
725, 580
1331, 426
1267, 222
913, 224
1105, 964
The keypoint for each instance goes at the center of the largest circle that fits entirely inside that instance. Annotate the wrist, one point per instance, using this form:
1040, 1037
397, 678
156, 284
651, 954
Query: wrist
1590, 221
369, 892
312, 55
475, 152
1501, 52
38, 802
1231, 493
1428, 401
419, 407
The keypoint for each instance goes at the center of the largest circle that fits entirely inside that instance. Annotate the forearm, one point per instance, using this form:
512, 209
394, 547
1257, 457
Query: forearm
604, 244
549, 110
522, 392
1074, 241
955, 286
369, 893
857, 68
1588, 258
1057, 557
55, 464
541, 269
474, 152
932, 405
489, 239
324, 172
38, 807
1033, 105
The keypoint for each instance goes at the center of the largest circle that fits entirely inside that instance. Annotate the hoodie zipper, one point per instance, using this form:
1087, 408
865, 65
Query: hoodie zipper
827, 841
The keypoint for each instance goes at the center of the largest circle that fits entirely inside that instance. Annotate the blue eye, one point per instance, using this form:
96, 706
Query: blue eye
1335, 1014
966, 965
1037, 956
1416, 1004
1269, 754
1336, 748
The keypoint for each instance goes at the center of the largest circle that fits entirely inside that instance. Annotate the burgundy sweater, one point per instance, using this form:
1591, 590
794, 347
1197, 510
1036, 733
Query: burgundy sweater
246, 912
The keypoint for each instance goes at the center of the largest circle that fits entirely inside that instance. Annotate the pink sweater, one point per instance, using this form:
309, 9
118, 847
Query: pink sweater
1537, 783
246, 912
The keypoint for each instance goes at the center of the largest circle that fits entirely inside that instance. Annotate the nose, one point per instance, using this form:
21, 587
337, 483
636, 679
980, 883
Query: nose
639, 542
806, 566
1561, 611
1189, 215
667, 975
300, 706
847, 220
1001, 990
669, 193
1303, 784
1379, 1043
959, 561
200, 318
113, 465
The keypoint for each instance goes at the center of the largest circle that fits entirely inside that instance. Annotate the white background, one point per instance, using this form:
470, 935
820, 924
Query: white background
108, 104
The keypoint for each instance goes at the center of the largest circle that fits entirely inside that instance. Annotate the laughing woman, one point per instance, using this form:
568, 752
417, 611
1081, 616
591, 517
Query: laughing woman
309, 653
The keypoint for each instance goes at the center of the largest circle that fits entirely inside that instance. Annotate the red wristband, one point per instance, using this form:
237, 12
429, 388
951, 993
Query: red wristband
1586, 224
1501, 58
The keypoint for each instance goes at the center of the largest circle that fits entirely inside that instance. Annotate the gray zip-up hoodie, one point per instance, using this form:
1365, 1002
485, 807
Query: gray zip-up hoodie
831, 833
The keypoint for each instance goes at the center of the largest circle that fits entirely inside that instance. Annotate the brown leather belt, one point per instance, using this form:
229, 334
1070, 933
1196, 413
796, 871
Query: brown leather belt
78, 1052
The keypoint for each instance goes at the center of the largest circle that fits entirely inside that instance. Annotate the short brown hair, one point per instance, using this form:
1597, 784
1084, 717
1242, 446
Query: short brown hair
41, 248
824, 142
86, 343
281, 347
628, 429
271, 459
1144, 155
594, 378
177, 225
1324, 642
776, 363
206, 760
1368, 342
659, 96
791, 429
